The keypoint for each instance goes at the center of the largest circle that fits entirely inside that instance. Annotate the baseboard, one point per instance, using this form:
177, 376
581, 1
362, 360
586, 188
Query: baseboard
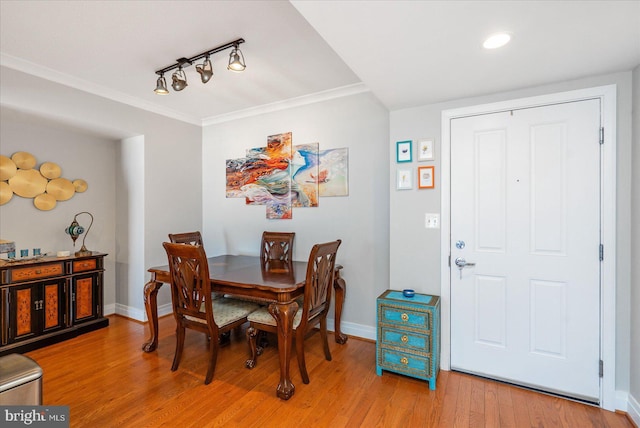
130, 312
109, 309
353, 329
136, 313
633, 409
348, 328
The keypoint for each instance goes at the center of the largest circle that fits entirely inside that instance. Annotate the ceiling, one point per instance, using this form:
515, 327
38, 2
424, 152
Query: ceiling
407, 53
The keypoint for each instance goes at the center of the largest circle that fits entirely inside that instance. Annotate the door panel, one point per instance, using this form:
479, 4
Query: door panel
525, 200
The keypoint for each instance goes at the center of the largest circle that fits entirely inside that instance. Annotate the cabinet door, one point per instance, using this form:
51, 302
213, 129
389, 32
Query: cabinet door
85, 298
35, 308
53, 306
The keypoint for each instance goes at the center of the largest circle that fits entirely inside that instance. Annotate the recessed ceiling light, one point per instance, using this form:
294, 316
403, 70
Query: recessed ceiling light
496, 40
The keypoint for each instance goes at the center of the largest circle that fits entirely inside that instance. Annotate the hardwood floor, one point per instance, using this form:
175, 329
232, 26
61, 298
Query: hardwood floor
108, 381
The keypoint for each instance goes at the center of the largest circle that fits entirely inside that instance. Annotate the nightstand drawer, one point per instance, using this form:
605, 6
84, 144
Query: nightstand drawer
405, 339
413, 365
404, 317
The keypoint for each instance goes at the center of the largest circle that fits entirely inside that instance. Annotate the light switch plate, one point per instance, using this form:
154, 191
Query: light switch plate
432, 221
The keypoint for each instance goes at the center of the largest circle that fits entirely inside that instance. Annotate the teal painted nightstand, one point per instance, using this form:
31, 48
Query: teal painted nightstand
408, 339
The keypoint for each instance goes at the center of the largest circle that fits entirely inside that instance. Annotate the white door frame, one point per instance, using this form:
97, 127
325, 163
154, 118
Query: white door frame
607, 95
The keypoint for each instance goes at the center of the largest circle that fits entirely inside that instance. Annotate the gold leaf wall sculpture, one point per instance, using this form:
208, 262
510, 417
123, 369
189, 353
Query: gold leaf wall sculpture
45, 185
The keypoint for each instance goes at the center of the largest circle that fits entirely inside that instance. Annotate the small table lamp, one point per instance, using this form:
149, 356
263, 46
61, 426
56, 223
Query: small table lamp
75, 230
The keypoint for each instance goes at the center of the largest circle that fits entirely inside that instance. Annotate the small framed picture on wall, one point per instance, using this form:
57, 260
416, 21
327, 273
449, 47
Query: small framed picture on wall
404, 179
425, 150
425, 177
403, 151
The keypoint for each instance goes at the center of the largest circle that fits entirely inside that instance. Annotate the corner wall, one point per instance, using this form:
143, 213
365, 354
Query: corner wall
77, 153
171, 183
358, 122
411, 245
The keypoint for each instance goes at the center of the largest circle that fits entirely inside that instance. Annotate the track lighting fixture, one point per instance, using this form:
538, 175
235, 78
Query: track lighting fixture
205, 70
236, 60
179, 78
161, 86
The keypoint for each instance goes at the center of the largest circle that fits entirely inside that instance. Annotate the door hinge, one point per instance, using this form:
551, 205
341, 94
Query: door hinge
449, 260
601, 251
601, 368
602, 135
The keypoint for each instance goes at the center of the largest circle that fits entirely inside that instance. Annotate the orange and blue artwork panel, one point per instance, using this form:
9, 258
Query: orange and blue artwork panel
304, 170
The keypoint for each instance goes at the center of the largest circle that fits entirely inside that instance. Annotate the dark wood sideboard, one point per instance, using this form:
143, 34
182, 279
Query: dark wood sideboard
49, 300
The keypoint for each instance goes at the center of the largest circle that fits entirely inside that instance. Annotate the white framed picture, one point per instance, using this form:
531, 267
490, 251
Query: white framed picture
404, 179
425, 149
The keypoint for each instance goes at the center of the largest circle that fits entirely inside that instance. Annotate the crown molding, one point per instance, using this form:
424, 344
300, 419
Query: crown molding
46, 73
343, 91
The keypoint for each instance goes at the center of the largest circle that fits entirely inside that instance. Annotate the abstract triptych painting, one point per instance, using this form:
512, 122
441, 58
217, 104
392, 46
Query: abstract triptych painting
283, 176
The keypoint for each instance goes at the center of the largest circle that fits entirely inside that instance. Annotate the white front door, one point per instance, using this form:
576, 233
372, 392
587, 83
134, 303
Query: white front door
525, 217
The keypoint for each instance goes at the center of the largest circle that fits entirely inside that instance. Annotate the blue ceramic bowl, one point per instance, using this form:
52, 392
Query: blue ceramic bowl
407, 292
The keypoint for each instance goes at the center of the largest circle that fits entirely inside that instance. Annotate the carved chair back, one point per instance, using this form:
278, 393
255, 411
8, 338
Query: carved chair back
276, 250
190, 286
319, 282
191, 238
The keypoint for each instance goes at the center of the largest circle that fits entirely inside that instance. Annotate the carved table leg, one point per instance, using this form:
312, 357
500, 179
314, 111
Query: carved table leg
340, 287
151, 305
284, 313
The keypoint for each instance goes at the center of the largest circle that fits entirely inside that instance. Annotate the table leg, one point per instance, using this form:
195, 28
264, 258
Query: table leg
340, 287
283, 314
151, 305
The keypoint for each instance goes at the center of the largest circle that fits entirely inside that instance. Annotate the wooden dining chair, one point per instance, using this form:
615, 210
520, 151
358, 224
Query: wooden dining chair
315, 305
276, 250
193, 306
191, 238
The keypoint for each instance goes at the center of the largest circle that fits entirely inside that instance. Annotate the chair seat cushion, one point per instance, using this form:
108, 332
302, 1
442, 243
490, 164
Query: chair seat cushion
227, 311
262, 316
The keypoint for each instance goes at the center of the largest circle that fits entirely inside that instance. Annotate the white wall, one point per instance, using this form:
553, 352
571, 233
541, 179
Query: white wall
171, 187
412, 245
76, 152
361, 219
130, 219
634, 388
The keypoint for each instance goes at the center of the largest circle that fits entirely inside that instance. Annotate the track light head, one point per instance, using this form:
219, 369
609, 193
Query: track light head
205, 70
161, 86
236, 60
179, 80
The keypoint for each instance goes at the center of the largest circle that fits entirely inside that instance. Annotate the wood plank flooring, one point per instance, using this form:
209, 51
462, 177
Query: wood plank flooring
108, 381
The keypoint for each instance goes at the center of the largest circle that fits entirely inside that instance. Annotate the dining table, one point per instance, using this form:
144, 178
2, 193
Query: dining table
244, 276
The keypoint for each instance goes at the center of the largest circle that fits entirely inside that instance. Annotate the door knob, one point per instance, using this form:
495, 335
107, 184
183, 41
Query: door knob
461, 262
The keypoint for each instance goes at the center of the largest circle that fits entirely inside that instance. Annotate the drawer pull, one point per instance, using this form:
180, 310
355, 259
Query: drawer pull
404, 360
404, 339
404, 317
38, 271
